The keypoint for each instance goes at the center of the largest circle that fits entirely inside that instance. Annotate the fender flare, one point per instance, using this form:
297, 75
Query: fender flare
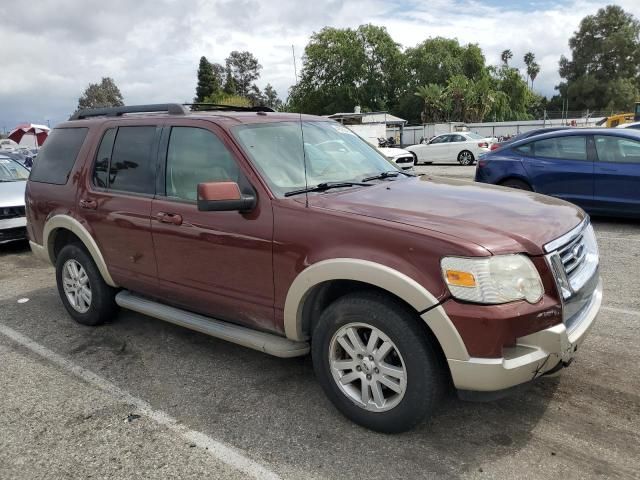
381, 276
69, 223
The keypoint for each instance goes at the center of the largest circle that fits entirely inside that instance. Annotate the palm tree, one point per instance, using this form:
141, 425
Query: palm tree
457, 91
506, 55
533, 70
431, 95
529, 59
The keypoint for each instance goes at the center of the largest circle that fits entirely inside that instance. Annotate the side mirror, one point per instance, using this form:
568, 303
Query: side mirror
223, 196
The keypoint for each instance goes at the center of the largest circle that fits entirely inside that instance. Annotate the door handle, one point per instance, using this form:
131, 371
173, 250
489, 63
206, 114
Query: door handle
172, 218
88, 204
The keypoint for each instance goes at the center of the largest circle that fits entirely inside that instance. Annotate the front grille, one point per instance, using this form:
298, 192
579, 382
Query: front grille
11, 212
574, 259
573, 255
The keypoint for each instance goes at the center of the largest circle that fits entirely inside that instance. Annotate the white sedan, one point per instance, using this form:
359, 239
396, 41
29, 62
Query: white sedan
402, 158
461, 147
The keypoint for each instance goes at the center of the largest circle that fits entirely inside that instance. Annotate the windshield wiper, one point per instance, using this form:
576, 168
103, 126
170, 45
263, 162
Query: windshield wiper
389, 174
321, 187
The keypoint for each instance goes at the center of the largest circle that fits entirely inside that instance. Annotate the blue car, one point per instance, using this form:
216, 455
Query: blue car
596, 168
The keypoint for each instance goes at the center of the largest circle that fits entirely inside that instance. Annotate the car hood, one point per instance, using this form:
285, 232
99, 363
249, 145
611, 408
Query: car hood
391, 152
12, 194
500, 219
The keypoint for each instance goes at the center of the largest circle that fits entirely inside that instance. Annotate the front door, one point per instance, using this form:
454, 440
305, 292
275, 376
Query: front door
215, 263
116, 201
617, 175
561, 167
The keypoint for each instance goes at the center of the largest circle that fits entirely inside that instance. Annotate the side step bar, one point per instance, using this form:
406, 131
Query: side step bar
261, 341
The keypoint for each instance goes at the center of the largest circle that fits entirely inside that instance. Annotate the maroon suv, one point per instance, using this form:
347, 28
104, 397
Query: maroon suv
290, 234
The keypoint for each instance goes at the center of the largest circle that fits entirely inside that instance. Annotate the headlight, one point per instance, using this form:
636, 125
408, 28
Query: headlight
497, 279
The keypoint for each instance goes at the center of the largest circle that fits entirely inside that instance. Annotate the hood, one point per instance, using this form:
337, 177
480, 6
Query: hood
499, 219
12, 193
391, 152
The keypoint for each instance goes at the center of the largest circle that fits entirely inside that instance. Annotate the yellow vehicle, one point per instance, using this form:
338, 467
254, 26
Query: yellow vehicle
615, 120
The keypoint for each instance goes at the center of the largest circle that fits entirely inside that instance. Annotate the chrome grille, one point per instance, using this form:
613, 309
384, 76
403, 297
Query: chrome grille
573, 258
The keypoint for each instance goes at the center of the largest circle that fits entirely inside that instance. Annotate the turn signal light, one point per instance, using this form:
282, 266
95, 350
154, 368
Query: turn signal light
460, 279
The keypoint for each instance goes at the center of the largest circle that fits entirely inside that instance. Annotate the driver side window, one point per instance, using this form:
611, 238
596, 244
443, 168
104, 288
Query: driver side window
196, 155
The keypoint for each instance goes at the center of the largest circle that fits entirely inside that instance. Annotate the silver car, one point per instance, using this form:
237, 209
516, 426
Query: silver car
13, 179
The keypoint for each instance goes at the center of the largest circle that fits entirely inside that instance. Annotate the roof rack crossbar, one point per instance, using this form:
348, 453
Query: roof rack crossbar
216, 106
170, 108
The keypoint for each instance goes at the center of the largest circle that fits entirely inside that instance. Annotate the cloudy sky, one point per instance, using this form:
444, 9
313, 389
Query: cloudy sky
52, 49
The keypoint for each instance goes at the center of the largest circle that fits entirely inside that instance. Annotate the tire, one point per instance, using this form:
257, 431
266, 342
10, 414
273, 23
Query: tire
76, 269
412, 353
518, 184
415, 159
465, 158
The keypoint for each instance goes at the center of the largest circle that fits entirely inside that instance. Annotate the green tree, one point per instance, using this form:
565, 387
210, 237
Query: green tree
603, 69
432, 96
343, 68
271, 97
103, 94
244, 69
209, 80
505, 56
457, 90
533, 70
529, 61
229, 87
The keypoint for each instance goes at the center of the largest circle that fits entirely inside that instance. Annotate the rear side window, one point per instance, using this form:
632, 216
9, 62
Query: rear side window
132, 166
58, 155
617, 149
526, 149
565, 148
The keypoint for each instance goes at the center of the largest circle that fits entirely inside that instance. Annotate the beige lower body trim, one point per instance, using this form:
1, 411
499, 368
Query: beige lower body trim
40, 252
73, 225
533, 355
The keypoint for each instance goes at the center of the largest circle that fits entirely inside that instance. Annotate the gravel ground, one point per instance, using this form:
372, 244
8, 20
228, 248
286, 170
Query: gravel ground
66, 409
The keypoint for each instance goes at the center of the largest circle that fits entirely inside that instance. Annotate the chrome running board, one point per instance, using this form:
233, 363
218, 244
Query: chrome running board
261, 341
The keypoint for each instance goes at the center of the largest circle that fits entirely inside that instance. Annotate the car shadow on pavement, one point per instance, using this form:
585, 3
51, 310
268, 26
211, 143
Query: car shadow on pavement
271, 407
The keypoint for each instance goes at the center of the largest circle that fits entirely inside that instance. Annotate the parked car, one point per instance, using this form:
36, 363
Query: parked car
632, 125
22, 159
402, 158
527, 134
13, 179
461, 147
400, 286
597, 169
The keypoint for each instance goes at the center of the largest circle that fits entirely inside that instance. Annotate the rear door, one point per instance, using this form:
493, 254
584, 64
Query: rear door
562, 167
617, 175
116, 202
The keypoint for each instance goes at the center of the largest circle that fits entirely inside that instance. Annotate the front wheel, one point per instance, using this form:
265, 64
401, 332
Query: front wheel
375, 363
415, 159
465, 158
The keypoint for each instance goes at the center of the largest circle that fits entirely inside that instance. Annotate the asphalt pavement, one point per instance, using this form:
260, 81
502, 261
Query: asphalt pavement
139, 398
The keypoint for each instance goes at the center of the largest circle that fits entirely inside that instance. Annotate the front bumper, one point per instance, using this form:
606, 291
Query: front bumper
13, 229
532, 356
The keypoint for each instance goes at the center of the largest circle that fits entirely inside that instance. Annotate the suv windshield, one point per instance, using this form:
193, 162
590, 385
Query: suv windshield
333, 154
11, 171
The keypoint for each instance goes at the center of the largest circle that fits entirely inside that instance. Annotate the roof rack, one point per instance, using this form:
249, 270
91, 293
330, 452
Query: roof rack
200, 107
171, 108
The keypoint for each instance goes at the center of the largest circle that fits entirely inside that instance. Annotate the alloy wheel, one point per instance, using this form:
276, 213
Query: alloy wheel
367, 367
76, 286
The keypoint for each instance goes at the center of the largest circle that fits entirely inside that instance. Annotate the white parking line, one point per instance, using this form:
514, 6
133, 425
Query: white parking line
222, 452
622, 310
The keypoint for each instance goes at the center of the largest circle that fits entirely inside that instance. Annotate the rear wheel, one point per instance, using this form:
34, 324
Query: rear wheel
375, 363
465, 157
83, 291
519, 184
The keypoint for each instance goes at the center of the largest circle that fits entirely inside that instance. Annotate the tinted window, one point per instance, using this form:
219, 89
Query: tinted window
617, 149
102, 159
132, 168
58, 155
196, 155
440, 139
526, 149
566, 148
458, 138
